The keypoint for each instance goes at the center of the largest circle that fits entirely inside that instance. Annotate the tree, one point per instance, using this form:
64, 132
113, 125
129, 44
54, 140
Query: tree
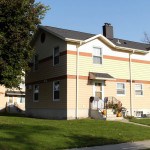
18, 23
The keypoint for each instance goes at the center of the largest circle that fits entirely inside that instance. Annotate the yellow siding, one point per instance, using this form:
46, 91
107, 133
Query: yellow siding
46, 96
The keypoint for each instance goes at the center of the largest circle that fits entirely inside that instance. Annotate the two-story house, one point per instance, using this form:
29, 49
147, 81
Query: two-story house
70, 66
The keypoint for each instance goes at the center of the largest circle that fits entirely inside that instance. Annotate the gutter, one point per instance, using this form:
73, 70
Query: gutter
130, 73
77, 79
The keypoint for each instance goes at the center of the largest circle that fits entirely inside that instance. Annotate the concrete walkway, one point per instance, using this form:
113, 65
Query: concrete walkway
141, 145
127, 121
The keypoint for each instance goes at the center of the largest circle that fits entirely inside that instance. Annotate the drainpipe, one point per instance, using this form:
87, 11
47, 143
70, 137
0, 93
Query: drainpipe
77, 79
130, 72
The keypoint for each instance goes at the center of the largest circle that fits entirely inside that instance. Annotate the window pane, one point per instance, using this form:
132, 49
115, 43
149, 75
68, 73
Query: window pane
36, 61
98, 94
120, 88
36, 92
97, 60
56, 91
56, 51
36, 96
138, 86
97, 51
56, 55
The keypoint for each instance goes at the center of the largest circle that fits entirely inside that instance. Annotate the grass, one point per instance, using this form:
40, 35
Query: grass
145, 121
35, 134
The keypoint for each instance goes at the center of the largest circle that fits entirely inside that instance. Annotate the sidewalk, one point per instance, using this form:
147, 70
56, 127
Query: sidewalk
140, 145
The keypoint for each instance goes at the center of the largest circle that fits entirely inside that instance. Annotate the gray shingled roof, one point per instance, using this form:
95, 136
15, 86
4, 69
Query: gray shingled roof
130, 44
83, 36
69, 33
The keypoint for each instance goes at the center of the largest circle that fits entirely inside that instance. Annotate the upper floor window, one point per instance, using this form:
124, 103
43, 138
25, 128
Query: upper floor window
56, 90
138, 89
36, 61
56, 56
36, 92
120, 88
97, 55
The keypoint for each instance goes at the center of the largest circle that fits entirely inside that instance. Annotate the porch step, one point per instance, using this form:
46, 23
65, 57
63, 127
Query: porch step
114, 118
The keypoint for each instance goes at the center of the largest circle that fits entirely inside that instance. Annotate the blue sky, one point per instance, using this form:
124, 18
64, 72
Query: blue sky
130, 18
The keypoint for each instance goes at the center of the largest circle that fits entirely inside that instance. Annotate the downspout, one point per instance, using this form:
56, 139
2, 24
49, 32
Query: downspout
77, 79
130, 72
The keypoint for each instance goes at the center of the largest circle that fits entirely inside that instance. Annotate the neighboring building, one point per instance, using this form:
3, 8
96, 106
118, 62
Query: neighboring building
70, 66
12, 100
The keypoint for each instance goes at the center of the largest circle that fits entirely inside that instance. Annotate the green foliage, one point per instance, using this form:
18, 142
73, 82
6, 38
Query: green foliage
18, 23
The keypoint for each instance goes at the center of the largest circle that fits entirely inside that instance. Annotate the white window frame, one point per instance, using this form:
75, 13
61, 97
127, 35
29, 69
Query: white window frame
54, 90
120, 89
140, 90
100, 56
57, 47
34, 92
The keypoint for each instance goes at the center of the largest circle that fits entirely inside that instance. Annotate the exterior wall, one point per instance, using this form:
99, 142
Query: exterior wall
117, 65
4, 100
44, 76
46, 107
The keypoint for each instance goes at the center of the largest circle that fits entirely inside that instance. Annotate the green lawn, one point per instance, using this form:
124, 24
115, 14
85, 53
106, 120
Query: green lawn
36, 134
145, 121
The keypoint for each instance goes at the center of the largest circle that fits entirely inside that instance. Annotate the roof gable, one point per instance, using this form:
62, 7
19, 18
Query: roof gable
82, 36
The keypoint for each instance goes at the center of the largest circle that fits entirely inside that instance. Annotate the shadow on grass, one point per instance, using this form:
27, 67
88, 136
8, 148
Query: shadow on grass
78, 141
16, 137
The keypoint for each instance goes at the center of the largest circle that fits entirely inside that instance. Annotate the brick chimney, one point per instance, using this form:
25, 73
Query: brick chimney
108, 30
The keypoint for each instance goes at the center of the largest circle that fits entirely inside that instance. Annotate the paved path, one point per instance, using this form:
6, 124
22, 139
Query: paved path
140, 145
123, 146
127, 121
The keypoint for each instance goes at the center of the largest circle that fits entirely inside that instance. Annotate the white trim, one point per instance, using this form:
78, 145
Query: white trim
55, 100
124, 89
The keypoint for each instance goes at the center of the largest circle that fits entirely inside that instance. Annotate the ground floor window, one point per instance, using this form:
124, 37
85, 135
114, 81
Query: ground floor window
56, 90
21, 100
138, 89
120, 88
36, 93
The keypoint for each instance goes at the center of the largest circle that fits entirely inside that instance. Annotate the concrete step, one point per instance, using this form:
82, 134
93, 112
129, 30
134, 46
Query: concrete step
114, 118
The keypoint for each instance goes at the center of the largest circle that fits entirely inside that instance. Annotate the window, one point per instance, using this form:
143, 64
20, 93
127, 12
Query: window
42, 37
36, 62
97, 55
98, 90
138, 89
20, 99
56, 56
120, 88
36, 92
139, 113
56, 91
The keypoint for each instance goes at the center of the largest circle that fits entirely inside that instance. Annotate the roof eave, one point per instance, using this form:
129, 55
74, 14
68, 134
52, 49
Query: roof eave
131, 50
44, 28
